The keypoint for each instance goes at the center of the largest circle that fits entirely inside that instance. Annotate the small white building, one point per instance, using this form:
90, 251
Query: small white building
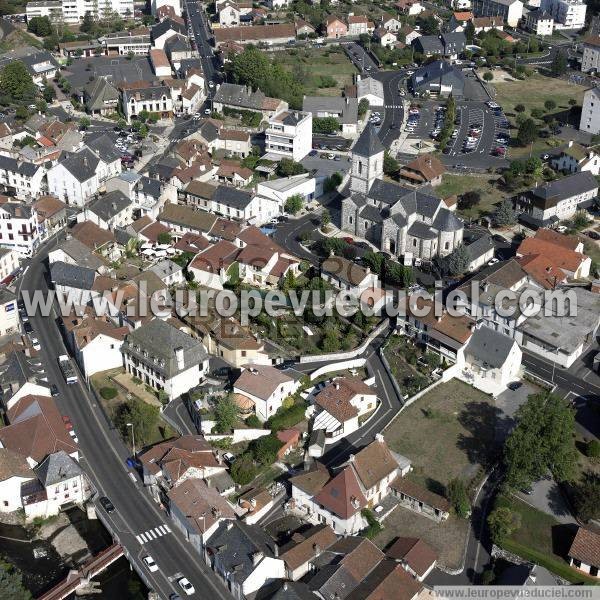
590, 112
584, 554
289, 134
265, 386
575, 159
490, 361
591, 54
14, 472
9, 262
370, 89
539, 22
280, 190
19, 228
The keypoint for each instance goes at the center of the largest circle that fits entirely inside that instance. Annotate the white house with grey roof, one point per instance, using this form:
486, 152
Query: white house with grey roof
165, 358
396, 219
489, 361
243, 205
26, 179
370, 89
108, 211
282, 189
345, 110
289, 134
590, 111
153, 99
72, 281
19, 227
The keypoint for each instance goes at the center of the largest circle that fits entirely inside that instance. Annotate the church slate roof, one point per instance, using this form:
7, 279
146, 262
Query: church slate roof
368, 144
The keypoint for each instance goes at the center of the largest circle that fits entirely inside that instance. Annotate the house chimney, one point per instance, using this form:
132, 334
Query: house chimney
179, 357
257, 557
379, 438
351, 458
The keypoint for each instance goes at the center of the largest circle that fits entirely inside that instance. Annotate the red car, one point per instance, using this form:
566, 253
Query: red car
348, 240
67, 422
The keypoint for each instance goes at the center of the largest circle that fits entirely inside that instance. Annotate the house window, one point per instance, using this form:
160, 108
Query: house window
446, 245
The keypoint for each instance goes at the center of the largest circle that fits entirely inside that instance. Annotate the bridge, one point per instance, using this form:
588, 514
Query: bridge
82, 576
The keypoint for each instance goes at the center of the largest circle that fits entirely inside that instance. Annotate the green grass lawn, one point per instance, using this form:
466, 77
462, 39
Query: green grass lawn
535, 90
311, 63
459, 184
18, 39
541, 539
447, 433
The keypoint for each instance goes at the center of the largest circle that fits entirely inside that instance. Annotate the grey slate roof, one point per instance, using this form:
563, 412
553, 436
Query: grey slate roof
239, 95
165, 268
436, 72
27, 169
72, 276
234, 545
82, 165
6, 295
446, 220
160, 340
422, 231
489, 346
155, 92
17, 210
368, 143
293, 590
99, 92
232, 197
150, 187
57, 467
480, 247
368, 211
345, 108
164, 26
567, 187
80, 253
429, 44
109, 205
103, 147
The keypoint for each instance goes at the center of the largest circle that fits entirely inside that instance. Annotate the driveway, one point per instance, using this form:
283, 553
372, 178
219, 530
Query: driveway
547, 497
507, 404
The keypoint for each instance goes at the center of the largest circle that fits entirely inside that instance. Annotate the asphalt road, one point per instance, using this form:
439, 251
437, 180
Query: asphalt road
394, 107
197, 18
360, 58
103, 456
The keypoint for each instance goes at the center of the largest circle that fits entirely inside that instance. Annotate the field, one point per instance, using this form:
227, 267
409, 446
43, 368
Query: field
311, 64
18, 39
447, 433
459, 184
535, 90
541, 539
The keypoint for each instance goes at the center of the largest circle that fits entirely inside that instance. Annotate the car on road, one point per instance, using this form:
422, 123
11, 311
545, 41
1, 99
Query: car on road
54, 390
67, 421
528, 491
35, 343
150, 564
313, 153
211, 84
27, 327
106, 504
500, 238
186, 586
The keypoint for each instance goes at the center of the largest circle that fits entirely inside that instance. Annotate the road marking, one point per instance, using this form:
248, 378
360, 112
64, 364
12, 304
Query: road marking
162, 529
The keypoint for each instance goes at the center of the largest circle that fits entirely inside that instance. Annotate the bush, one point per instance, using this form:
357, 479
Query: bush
592, 449
373, 525
243, 470
108, 393
457, 494
253, 421
287, 417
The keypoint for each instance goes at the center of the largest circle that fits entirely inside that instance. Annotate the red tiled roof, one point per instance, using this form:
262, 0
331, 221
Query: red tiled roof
414, 552
560, 256
558, 239
342, 495
586, 547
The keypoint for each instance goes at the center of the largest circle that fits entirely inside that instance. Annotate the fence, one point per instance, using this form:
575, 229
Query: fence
339, 366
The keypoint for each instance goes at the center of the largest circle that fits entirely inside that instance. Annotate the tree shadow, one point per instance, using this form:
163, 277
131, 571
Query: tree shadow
556, 501
435, 486
480, 419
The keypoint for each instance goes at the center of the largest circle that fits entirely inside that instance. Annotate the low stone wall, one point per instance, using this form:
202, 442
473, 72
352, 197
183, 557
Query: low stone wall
338, 366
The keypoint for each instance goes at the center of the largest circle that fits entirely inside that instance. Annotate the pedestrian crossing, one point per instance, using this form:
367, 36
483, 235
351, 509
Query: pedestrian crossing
152, 534
394, 106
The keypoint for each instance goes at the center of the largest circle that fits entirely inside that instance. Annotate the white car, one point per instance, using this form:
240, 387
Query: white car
149, 562
186, 586
331, 156
211, 84
493, 262
35, 343
207, 111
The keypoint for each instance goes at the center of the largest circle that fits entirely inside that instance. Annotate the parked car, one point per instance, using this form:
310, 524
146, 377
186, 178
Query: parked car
54, 390
186, 586
514, 385
107, 505
150, 564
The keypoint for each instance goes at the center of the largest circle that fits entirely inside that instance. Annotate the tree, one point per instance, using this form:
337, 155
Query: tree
520, 108
592, 449
458, 261
243, 470
265, 449
470, 32
164, 238
363, 107
16, 82
39, 26
288, 167
502, 523
542, 441
143, 116
49, 93
88, 24
84, 123
325, 218
528, 132
326, 125
488, 76
469, 200
550, 104
121, 124
332, 182
226, 414
572, 102
534, 165
390, 165
11, 583
294, 204
41, 106
457, 494
505, 215
559, 64
428, 25
587, 497
143, 131
142, 416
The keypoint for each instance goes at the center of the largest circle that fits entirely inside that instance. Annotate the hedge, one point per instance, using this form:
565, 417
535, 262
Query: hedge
287, 417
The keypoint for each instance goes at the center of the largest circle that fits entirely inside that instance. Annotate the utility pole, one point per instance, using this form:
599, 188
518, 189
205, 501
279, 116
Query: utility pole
132, 438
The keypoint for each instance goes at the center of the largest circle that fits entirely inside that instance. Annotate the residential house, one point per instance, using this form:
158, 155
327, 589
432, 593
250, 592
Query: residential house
19, 228
590, 61
266, 387
409, 7
164, 358
575, 159
416, 556
245, 557
345, 110
345, 274
234, 174
25, 179
197, 510
407, 34
387, 578
51, 214
357, 25
168, 464
391, 22
539, 22
438, 78
255, 504
491, 361
74, 252
304, 548
72, 282
340, 405
280, 190
336, 28
168, 272
420, 500
459, 21
234, 142
584, 553
289, 134
510, 11
370, 89
36, 429
449, 45
153, 98
109, 211
101, 97
557, 200
303, 28
164, 30
481, 250
230, 95
229, 14
160, 62
243, 205
425, 169
9, 263
14, 472
485, 24
384, 37
567, 14
184, 219
590, 111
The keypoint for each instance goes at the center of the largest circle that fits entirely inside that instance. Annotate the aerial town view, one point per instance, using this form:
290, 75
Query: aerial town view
299, 299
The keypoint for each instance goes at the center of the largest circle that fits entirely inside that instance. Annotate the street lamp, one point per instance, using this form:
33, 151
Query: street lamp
132, 438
